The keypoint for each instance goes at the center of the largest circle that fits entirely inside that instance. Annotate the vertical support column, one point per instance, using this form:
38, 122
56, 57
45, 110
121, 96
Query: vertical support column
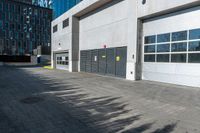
75, 44
138, 68
132, 39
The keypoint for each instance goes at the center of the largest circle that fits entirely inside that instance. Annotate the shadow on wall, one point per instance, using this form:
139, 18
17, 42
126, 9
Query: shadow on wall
104, 114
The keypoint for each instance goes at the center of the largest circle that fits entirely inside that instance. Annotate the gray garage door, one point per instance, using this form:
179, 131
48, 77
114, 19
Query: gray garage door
62, 61
110, 61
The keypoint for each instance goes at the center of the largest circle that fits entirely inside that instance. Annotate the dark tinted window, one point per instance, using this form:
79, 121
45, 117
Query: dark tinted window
149, 49
194, 58
149, 58
163, 38
179, 47
163, 58
65, 23
181, 58
194, 46
179, 36
55, 28
195, 34
163, 48
150, 39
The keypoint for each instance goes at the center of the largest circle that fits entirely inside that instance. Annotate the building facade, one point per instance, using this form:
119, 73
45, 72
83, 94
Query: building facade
61, 6
23, 27
136, 40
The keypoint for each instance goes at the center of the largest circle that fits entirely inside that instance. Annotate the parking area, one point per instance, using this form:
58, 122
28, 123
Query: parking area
37, 100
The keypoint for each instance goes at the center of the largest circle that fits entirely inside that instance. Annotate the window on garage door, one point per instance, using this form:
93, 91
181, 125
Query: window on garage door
176, 47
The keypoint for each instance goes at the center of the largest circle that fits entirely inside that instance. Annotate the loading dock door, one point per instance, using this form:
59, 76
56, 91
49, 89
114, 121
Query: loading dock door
171, 48
110, 69
62, 61
102, 61
83, 58
94, 61
121, 57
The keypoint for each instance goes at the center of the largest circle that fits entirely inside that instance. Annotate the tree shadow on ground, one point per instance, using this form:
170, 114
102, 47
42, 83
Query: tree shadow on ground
69, 104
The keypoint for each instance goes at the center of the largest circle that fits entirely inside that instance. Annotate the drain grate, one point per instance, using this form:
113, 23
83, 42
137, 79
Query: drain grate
32, 100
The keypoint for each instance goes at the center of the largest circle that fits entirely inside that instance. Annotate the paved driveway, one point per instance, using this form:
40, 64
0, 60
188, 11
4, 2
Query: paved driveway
36, 100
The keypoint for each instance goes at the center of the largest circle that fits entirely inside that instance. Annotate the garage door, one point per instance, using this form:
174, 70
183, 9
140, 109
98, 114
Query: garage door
171, 48
109, 61
62, 61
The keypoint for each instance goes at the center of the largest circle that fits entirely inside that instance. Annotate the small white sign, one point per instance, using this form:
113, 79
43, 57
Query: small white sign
95, 58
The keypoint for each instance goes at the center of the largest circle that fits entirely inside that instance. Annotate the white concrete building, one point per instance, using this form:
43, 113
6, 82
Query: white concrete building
156, 40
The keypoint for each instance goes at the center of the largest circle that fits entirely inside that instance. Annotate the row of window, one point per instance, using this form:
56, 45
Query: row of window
180, 47
174, 36
174, 58
173, 47
65, 24
63, 60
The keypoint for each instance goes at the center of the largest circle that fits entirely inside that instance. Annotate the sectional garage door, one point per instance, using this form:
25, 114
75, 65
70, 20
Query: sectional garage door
62, 61
110, 61
171, 48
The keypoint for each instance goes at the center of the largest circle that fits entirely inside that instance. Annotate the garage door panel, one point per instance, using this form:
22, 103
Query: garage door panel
121, 59
94, 61
83, 57
88, 61
102, 61
110, 53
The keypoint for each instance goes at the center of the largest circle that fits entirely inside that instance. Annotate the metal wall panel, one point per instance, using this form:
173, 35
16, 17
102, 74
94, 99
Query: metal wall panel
95, 61
121, 59
110, 69
102, 61
88, 62
83, 57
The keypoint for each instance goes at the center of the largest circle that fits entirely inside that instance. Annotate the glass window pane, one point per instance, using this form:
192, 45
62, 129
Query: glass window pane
163, 58
194, 46
149, 58
65, 23
179, 47
150, 39
163, 38
195, 34
179, 36
55, 28
194, 58
181, 58
163, 48
149, 49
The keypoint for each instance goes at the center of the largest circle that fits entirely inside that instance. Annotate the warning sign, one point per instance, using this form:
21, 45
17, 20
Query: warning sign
118, 58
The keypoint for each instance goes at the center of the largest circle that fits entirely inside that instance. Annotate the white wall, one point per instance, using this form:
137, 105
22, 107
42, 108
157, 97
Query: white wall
177, 73
106, 27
